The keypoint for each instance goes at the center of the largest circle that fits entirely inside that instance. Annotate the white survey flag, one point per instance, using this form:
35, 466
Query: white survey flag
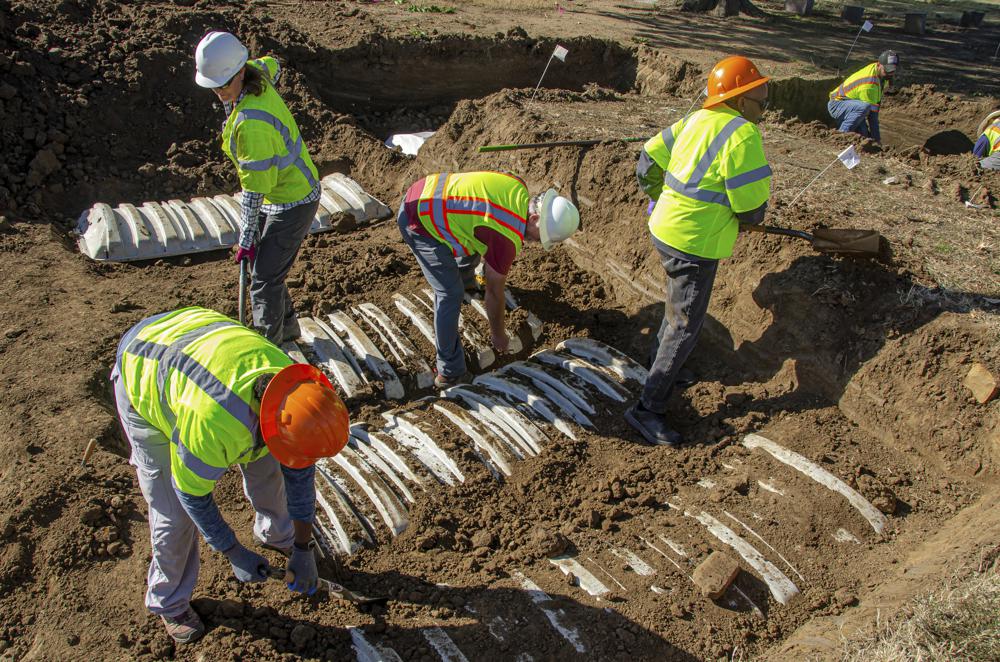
560, 53
849, 157
867, 26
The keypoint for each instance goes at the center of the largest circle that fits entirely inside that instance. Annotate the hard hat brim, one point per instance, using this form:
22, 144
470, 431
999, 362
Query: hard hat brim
206, 82
716, 99
544, 214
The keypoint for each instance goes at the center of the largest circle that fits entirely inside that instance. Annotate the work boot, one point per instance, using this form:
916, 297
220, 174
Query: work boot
653, 426
685, 378
184, 628
442, 381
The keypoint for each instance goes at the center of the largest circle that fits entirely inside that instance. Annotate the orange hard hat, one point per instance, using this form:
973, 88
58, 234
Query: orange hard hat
730, 78
302, 419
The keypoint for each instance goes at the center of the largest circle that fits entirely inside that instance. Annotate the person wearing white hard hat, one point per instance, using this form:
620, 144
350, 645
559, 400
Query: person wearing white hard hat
454, 221
278, 178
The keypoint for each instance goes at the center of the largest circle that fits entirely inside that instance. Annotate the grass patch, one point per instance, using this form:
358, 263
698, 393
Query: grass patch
958, 623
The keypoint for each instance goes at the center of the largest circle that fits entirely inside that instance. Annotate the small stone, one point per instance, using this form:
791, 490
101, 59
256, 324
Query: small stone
92, 515
230, 609
889, 181
115, 547
844, 598
72, 639
982, 383
302, 634
13, 332
483, 538
714, 575
117, 502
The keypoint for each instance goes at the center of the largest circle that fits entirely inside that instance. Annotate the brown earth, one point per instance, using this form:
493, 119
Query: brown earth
856, 365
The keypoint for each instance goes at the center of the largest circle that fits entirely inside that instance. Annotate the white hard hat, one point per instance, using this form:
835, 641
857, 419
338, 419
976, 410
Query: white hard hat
219, 57
558, 219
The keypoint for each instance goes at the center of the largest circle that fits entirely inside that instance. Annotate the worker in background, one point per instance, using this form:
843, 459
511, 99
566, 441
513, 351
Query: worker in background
708, 174
197, 392
451, 222
855, 103
987, 147
278, 178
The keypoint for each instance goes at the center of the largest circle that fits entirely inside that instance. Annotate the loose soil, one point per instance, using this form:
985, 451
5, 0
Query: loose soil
858, 365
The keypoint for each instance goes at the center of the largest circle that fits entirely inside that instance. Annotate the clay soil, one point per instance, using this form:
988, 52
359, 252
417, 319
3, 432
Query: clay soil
857, 365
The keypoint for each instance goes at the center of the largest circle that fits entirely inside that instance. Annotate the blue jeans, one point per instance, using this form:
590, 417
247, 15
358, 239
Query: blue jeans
689, 288
446, 275
851, 114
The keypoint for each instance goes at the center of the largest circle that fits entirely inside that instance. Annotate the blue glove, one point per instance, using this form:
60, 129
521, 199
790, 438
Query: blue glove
302, 566
247, 566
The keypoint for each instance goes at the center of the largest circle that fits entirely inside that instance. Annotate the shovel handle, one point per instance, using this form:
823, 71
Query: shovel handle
770, 229
243, 292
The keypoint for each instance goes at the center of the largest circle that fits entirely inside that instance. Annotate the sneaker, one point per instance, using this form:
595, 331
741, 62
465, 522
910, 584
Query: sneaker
653, 426
442, 381
185, 627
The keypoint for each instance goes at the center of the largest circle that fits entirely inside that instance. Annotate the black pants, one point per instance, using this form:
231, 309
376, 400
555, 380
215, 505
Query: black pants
689, 288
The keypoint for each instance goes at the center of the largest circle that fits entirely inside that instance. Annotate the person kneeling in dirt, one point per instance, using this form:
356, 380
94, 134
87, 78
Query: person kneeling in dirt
854, 104
987, 147
707, 173
278, 178
452, 221
197, 392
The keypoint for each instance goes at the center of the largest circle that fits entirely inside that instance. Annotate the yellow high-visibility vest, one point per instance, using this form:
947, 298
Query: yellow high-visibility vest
863, 85
190, 374
263, 142
452, 205
713, 168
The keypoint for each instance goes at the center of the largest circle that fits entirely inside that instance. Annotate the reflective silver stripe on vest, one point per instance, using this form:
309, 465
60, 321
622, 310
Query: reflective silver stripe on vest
667, 137
749, 177
195, 464
294, 156
689, 189
172, 356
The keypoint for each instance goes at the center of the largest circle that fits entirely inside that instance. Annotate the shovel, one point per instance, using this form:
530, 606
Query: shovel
243, 292
332, 588
851, 243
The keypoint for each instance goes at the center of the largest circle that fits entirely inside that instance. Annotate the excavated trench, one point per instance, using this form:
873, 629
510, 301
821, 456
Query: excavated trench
816, 461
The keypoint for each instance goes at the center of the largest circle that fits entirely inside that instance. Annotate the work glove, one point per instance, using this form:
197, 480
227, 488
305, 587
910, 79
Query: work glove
302, 568
247, 566
245, 254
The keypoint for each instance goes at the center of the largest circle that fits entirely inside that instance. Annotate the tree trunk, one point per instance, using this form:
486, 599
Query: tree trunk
724, 8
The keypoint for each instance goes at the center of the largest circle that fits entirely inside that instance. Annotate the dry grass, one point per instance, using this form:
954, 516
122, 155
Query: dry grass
512, 4
958, 623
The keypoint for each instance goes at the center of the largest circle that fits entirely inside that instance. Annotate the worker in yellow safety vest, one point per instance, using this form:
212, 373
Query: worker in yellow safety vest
278, 178
855, 103
452, 222
987, 147
197, 392
708, 174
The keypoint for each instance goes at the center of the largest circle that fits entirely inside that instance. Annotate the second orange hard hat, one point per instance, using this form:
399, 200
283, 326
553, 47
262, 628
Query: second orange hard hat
730, 78
302, 419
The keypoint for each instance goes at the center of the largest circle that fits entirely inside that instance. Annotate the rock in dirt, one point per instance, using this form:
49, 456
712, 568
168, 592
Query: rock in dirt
546, 542
982, 383
302, 634
483, 538
44, 164
715, 574
878, 493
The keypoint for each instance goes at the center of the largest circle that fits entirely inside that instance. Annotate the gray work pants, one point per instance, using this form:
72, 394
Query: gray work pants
277, 248
689, 288
173, 569
447, 276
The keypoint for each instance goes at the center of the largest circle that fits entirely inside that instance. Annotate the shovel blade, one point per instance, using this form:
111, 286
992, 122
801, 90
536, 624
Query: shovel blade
857, 243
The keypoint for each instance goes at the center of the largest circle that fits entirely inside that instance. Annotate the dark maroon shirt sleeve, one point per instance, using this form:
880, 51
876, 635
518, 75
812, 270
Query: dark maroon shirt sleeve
500, 251
410, 206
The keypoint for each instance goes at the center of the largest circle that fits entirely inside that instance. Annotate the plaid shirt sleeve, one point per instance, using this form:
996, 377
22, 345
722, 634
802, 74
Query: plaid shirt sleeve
249, 218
